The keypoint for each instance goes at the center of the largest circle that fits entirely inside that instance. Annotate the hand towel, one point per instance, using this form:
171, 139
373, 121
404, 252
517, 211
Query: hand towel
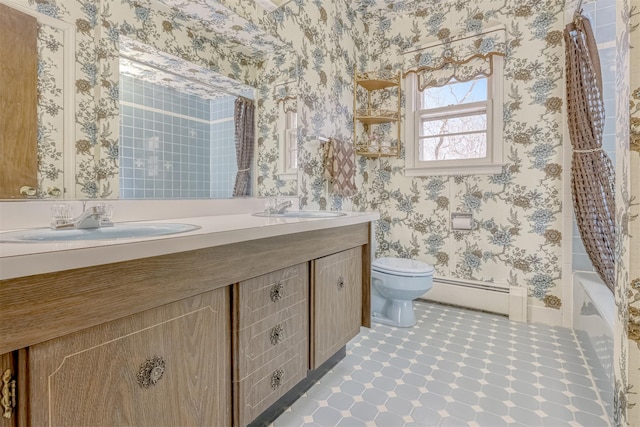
340, 167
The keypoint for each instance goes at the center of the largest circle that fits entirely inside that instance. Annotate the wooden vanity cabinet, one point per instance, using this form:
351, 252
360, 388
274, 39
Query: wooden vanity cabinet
167, 366
181, 339
336, 303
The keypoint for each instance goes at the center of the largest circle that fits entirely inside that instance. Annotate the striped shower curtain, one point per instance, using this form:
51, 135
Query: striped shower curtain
592, 173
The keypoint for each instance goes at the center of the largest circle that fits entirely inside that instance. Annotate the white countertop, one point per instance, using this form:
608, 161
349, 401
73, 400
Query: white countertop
26, 259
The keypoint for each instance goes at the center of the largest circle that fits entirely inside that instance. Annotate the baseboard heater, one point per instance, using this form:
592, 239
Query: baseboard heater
473, 294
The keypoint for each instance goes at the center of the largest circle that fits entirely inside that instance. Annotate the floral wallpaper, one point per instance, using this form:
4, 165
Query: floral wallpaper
152, 65
277, 93
50, 109
327, 39
98, 28
240, 34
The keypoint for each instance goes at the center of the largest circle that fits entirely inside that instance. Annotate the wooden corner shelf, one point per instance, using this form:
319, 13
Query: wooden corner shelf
373, 81
377, 84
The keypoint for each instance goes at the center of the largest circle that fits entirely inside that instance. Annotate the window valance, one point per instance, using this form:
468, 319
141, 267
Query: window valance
462, 57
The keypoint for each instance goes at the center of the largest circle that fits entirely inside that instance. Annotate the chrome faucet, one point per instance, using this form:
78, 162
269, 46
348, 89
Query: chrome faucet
282, 207
93, 217
278, 208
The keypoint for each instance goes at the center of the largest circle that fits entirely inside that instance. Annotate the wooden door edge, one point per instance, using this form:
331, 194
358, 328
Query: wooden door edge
235, 381
366, 283
23, 387
312, 314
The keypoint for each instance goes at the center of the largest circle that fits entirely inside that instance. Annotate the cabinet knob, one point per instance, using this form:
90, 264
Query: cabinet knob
54, 191
277, 292
276, 378
276, 334
340, 282
150, 372
27, 191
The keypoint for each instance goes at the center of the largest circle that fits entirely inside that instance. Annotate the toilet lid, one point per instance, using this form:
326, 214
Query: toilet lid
402, 267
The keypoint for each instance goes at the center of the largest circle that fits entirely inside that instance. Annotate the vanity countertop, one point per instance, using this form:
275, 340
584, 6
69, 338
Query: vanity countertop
25, 259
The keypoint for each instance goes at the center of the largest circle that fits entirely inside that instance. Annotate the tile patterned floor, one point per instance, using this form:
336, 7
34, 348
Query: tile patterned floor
456, 367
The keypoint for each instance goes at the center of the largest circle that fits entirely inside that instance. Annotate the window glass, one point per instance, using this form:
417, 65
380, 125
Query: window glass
449, 125
452, 147
292, 120
455, 93
291, 161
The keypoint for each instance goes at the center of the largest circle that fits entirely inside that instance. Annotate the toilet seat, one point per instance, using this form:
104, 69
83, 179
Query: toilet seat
402, 267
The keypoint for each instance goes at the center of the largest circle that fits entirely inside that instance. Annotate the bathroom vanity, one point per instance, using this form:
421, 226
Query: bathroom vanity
207, 328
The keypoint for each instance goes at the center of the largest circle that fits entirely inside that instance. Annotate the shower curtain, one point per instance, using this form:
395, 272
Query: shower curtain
244, 136
592, 173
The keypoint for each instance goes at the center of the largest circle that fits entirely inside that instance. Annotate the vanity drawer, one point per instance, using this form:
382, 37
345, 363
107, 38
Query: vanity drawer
263, 341
265, 386
265, 295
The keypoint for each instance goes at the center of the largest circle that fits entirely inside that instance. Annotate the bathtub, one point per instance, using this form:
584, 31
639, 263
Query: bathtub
593, 317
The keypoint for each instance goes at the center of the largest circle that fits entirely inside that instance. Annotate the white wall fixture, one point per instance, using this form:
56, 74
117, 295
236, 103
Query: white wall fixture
461, 221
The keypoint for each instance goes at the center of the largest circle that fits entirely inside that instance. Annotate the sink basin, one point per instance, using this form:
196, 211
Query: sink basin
303, 214
118, 231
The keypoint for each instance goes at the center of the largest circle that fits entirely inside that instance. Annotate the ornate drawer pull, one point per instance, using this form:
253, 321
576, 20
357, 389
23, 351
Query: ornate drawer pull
276, 378
150, 372
340, 282
277, 292
28, 191
276, 334
8, 394
54, 191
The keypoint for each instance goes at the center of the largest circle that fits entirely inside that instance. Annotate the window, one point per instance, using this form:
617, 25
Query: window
289, 144
455, 128
291, 141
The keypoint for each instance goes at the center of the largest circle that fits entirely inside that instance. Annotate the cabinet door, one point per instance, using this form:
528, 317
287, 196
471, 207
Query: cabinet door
168, 366
337, 303
18, 102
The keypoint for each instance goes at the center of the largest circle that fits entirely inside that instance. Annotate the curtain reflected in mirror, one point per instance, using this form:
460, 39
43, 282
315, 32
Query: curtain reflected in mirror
244, 141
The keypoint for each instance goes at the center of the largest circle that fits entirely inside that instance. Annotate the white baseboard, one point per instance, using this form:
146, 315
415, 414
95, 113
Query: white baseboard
518, 304
478, 299
511, 302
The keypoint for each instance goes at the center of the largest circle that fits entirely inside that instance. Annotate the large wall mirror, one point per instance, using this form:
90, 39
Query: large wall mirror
176, 126
135, 99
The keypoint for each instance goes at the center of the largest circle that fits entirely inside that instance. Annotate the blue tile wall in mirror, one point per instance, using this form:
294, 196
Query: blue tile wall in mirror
174, 144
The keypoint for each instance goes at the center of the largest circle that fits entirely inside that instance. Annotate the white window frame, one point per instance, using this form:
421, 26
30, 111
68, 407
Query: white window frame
288, 143
494, 160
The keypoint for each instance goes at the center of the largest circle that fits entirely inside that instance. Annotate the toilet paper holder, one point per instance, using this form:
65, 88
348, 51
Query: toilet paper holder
461, 221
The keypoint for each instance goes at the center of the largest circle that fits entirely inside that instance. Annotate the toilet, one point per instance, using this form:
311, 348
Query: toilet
395, 283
